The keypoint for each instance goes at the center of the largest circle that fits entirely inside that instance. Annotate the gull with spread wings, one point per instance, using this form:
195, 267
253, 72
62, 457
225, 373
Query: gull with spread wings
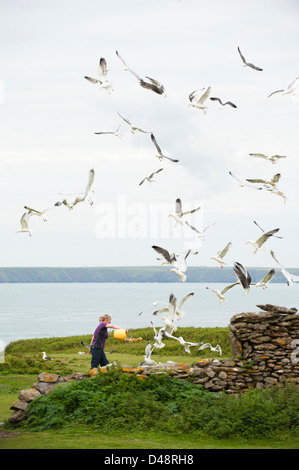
257, 244
150, 177
243, 185
248, 64
291, 278
81, 197
160, 154
289, 90
133, 128
199, 233
243, 276
103, 81
179, 212
266, 279
220, 293
214, 98
197, 100
152, 84
272, 158
220, 255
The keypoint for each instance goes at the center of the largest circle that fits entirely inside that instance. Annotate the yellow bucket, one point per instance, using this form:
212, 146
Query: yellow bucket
120, 334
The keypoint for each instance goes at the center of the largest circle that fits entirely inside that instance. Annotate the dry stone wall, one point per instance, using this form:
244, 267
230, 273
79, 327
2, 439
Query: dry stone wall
264, 348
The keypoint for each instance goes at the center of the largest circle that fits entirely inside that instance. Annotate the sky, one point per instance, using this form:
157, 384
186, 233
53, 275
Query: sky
50, 113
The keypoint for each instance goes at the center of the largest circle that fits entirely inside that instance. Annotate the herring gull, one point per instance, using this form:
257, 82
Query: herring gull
257, 244
248, 64
179, 212
243, 276
220, 255
291, 278
160, 154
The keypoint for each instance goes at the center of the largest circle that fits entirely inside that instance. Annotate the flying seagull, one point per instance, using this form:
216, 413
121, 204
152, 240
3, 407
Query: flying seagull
147, 358
47, 358
25, 222
291, 278
220, 255
186, 344
290, 89
198, 100
169, 258
172, 306
84, 344
214, 98
150, 177
247, 64
199, 233
102, 71
81, 196
152, 84
133, 128
276, 236
160, 154
242, 184
181, 268
179, 212
220, 293
257, 244
158, 335
266, 279
272, 182
243, 276
208, 345
271, 159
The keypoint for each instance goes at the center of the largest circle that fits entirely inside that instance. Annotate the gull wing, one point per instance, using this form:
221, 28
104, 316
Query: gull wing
127, 68
161, 310
164, 253
273, 256
225, 289
222, 253
178, 206
242, 274
193, 228
260, 155
156, 144
93, 80
102, 67
90, 181
260, 241
268, 276
205, 95
172, 307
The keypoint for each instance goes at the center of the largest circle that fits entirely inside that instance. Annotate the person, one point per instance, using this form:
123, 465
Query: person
98, 341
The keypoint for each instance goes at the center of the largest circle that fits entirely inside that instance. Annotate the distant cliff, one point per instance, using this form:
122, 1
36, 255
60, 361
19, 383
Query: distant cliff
128, 274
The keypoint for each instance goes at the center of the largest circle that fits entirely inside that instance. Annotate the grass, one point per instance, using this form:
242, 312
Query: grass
15, 375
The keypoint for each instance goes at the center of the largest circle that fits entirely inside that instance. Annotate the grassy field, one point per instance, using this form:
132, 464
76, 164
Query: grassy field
23, 363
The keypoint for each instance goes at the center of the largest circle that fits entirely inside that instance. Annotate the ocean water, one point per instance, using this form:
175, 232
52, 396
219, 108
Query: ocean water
48, 309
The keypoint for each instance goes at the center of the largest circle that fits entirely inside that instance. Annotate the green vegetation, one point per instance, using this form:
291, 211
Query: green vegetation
114, 410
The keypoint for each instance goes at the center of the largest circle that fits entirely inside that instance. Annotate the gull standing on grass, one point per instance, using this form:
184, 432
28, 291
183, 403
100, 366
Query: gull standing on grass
291, 278
198, 100
102, 71
153, 85
47, 358
248, 64
220, 255
81, 196
147, 358
179, 212
257, 244
160, 154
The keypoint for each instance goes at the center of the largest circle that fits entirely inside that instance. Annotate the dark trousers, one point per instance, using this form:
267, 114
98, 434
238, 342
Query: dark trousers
98, 357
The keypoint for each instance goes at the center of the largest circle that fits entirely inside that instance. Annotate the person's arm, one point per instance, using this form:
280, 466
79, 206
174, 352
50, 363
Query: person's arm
109, 325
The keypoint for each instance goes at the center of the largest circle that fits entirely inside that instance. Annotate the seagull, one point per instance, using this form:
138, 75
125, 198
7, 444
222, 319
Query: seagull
147, 358
291, 278
207, 345
200, 234
266, 279
133, 128
276, 236
290, 89
150, 177
84, 344
272, 182
220, 293
247, 64
257, 244
244, 184
186, 344
179, 212
82, 196
160, 155
169, 258
47, 358
116, 133
173, 305
220, 255
278, 192
181, 269
81, 353
25, 222
39, 213
214, 98
199, 102
158, 337
102, 71
153, 85
243, 276
271, 159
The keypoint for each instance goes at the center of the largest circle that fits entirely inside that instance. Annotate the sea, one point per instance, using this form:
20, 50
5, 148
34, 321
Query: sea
44, 310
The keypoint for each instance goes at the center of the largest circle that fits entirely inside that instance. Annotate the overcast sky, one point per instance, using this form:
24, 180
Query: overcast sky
50, 113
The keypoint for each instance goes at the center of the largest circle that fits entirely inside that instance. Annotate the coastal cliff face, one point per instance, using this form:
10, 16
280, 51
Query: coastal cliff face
265, 349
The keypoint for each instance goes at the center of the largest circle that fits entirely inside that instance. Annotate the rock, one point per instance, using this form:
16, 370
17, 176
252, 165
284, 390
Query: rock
28, 394
19, 405
17, 416
47, 377
277, 309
